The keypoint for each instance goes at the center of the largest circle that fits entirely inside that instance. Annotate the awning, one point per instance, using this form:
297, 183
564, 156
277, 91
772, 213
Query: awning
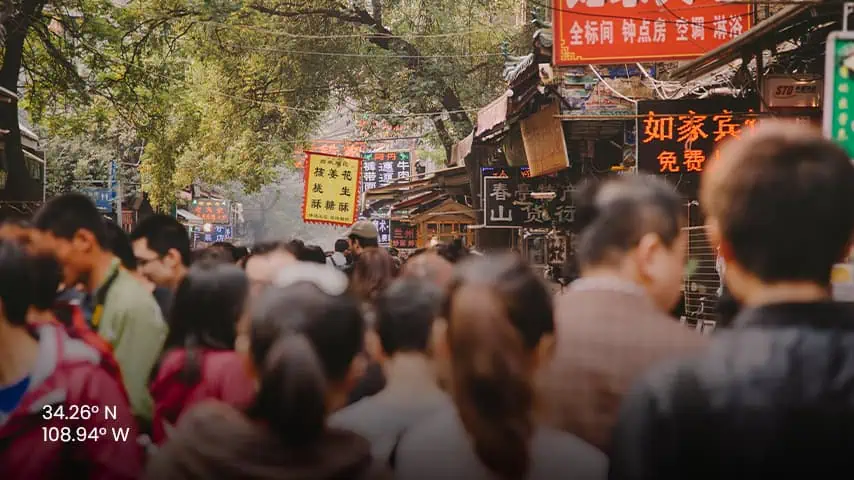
783, 25
461, 150
491, 116
189, 217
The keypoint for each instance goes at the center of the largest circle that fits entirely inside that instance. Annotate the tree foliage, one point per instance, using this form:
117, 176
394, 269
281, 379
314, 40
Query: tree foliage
217, 91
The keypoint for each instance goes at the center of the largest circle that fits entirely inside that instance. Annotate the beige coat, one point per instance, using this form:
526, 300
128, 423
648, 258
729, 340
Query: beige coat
606, 338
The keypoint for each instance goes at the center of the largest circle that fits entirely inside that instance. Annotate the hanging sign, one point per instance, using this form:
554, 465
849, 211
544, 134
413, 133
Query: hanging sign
508, 203
383, 230
384, 168
545, 145
630, 31
676, 138
404, 235
785, 91
331, 189
212, 211
839, 94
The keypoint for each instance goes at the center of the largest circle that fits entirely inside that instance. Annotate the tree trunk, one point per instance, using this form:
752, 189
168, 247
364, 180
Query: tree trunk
16, 27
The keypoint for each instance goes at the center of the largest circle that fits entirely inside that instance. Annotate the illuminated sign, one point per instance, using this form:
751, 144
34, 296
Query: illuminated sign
384, 168
212, 211
404, 235
676, 138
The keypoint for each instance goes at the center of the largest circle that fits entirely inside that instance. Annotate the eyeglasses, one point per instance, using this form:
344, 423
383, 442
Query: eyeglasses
328, 280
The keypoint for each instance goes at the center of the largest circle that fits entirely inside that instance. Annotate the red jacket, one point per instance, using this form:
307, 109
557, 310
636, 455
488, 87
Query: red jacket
71, 317
224, 377
69, 373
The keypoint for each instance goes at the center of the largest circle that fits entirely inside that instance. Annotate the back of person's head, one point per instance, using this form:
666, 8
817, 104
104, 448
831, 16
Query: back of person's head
119, 245
212, 255
405, 314
372, 273
634, 225
780, 201
16, 282
70, 214
453, 252
342, 245
498, 313
314, 254
304, 338
163, 234
429, 267
228, 249
205, 311
241, 253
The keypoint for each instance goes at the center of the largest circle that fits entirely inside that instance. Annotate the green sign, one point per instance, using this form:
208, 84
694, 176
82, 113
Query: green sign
839, 94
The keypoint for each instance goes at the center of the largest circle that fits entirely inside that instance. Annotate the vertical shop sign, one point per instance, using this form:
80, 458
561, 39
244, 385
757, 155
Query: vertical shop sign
331, 189
839, 93
384, 168
404, 235
676, 138
383, 230
628, 31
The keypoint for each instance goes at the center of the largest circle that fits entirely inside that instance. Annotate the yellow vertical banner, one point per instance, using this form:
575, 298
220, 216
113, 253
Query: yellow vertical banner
331, 189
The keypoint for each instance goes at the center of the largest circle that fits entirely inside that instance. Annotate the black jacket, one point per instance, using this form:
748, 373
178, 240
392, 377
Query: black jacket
773, 398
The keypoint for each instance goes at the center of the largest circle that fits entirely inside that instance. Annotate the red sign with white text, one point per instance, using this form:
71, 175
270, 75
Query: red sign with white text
629, 31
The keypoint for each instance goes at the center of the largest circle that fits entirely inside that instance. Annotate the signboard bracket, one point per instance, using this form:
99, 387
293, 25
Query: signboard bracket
847, 13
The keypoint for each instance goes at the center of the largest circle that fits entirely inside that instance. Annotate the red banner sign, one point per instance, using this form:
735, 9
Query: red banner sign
629, 31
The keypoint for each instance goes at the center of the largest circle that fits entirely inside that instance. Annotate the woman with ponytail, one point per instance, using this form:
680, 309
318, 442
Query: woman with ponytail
199, 361
305, 338
499, 331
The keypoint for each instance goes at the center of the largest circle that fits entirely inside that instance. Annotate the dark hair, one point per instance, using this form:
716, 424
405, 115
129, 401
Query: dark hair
241, 253
164, 233
119, 244
405, 315
46, 278
205, 310
228, 249
16, 281
314, 254
364, 242
65, 215
612, 216
341, 245
212, 255
266, 248
453, 252
301, 338
497, 309
783, 198
372, 273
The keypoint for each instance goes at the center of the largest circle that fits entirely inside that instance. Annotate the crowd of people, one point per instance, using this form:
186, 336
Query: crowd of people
282, 361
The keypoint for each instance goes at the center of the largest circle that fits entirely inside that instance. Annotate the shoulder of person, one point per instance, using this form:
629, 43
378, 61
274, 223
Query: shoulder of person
562, 452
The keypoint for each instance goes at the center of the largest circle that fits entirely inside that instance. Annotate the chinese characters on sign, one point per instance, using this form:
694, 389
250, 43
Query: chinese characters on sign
839, 100
508, 202
383, 230
331, 189
219, 233
678, 137
383, 168
617, 31
212, 211
404, 235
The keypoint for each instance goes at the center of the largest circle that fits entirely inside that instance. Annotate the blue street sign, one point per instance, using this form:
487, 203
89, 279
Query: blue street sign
103, 197
218, 233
